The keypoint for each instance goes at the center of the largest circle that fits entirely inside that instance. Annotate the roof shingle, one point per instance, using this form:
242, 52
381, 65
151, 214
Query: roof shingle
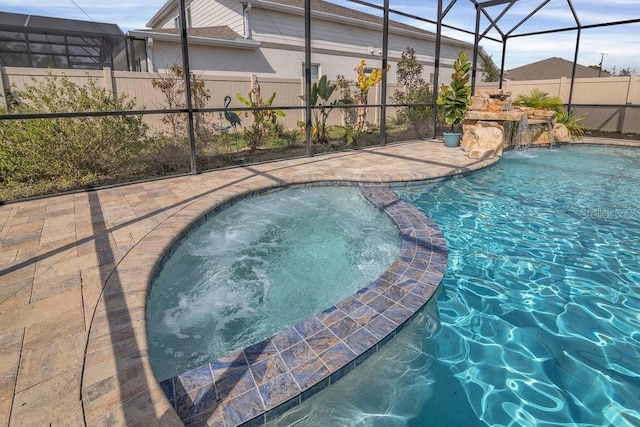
552, 68
222, 32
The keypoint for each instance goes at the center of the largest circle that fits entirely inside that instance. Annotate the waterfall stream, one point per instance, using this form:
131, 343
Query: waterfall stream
522, 137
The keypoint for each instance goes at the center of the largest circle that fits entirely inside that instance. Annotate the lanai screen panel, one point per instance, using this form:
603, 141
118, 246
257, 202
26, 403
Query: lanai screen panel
41, 42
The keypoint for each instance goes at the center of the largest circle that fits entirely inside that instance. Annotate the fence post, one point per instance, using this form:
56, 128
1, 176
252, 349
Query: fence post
107, 76
633, 88
4, 88
563, 87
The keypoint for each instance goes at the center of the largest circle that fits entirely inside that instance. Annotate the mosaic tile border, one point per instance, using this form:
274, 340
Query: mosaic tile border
258, 384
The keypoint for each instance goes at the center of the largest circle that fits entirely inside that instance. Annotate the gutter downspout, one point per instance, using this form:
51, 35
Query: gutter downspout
150, 65
247, 23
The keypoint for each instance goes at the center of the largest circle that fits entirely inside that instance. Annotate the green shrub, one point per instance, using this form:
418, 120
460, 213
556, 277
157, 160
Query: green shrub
539, 100
265, 122
456, 97
68, 153
172, 85
414, 90
571, 120
164, 156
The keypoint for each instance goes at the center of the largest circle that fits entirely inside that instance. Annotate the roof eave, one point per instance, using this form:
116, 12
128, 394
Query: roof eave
160, 13
208, 41
338, 18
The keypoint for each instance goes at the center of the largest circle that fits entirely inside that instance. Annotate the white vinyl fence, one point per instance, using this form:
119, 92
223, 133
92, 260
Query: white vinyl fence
619, 92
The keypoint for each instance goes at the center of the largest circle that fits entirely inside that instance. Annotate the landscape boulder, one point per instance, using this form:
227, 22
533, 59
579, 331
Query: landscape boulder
482, 140
561, 133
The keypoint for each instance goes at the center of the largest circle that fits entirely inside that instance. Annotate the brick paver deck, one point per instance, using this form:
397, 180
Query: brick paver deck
74, 271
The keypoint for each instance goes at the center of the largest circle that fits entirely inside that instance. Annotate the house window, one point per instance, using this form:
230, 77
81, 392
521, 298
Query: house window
176, 20
315, 71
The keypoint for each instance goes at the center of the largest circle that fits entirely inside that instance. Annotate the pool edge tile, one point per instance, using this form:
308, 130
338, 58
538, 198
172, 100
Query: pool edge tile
331, 343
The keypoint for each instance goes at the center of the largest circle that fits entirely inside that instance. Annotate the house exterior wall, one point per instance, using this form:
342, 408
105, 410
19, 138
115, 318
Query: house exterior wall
168, 19
216, 60
207, 13
285, 62
336, 47
215, 13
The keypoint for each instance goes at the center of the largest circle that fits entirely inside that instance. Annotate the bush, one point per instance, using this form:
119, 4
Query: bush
265, 122
539, 100
172, 86
57, 154
414, 90
164, 156
455, 98
572, 121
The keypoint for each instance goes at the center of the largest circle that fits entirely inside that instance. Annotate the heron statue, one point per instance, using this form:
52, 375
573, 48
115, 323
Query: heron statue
232, 118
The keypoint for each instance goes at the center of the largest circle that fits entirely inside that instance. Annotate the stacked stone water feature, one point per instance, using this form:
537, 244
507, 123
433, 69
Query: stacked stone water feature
491, 124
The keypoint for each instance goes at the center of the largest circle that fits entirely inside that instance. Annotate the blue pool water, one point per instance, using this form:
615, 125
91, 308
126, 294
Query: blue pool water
538, 322
261, 266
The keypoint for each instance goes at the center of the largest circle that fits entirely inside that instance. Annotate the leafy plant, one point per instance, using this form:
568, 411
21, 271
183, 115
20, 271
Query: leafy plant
349, 134
456, 97
571, 120
56, 154
172, 86
264, 121
164, 156
286, 137
365, 82
322, 91
344, 86
414, 90
539, 100
490, 72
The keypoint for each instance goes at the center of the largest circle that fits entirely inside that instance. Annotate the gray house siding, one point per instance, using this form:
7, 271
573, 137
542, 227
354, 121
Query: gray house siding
207, 13
168, 21
338, 42
217, 60
338, 48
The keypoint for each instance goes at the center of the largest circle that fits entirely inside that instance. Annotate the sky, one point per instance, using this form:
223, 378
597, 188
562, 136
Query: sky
616, 46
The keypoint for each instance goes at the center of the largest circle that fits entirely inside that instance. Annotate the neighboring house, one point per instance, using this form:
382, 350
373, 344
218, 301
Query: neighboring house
266, 38
552, 68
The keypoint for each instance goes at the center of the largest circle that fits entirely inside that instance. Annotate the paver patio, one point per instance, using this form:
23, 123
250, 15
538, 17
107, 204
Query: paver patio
74, 271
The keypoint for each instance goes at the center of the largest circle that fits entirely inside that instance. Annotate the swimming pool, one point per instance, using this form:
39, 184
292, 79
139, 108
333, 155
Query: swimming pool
538, 323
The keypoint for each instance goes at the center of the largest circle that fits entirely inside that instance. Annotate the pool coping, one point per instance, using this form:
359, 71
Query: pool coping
77, 270
259, 383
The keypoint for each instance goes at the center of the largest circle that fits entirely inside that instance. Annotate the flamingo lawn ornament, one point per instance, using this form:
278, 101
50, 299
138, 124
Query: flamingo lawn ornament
232, 118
